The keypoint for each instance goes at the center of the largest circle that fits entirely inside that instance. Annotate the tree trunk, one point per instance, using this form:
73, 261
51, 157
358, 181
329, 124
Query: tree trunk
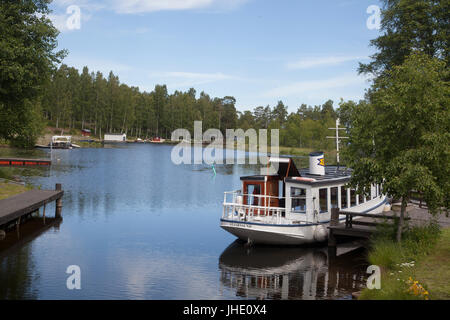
402, 218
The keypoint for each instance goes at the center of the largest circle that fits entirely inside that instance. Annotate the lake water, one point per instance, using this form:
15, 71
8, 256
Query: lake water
141, 227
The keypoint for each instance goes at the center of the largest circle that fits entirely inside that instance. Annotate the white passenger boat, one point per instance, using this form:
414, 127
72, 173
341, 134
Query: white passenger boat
293, 207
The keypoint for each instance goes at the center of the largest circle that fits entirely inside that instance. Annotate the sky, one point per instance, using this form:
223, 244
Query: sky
259, 51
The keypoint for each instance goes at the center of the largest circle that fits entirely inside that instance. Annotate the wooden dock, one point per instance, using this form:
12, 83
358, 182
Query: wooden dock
366, 224
21, 162
361, 228
14, 208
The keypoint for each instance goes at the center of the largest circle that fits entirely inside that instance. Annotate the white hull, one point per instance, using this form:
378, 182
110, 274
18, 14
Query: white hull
291, 234
272, 235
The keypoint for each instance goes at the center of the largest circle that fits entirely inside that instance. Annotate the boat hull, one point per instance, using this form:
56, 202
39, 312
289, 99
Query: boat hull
288, 234
271, 235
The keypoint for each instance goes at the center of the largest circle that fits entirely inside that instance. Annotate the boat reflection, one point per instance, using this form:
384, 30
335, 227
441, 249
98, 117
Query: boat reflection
263, 272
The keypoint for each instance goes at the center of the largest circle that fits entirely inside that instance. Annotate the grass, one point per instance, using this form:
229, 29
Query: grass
417, 268
94, 144
10, 189
435, 269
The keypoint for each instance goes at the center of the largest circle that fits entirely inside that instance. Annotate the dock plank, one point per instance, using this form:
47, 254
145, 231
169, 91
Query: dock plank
27, 202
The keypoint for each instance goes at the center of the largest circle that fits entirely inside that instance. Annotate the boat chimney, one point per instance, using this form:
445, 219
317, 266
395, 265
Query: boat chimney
316, 163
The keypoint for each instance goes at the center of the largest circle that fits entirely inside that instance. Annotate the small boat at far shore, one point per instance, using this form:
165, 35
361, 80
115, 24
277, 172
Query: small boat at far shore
59, 142
157, 140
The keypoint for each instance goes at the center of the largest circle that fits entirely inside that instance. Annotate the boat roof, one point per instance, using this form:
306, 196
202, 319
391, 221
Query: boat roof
286, 167
277, 167
332, 174
288, 171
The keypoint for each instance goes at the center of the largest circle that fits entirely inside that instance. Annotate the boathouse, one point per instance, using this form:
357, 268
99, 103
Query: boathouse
115, 137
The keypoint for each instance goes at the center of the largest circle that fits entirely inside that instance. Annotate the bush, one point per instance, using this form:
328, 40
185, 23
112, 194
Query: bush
417, 242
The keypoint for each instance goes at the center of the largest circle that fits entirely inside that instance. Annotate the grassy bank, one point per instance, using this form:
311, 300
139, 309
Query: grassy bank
84, 144
8, 189
435, 269
418, 268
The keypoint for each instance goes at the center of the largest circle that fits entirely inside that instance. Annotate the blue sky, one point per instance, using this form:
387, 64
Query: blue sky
299, 51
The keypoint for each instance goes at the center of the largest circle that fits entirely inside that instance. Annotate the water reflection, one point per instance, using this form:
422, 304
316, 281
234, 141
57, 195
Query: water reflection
264, 272
141, 227
16, 259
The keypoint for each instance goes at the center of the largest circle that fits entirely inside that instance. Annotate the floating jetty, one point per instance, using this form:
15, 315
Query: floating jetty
14, 208
20, 162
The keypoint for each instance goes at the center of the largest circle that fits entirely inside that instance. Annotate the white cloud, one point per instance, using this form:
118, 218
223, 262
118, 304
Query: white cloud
59, 21
315, 86
307, 63
139, 6
69, 15
185, 79
143, 6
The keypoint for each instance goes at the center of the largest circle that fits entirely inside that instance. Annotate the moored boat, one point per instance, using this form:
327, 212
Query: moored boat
293, 207
157, 140
59, 142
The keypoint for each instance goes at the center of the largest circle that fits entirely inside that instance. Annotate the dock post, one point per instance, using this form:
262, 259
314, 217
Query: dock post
58, 207
334, 221
334, 217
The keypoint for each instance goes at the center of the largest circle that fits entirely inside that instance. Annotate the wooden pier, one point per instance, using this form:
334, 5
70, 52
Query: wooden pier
363, 227
14, 208
20, 162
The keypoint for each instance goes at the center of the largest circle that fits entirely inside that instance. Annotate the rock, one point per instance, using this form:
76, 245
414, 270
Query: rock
356, 295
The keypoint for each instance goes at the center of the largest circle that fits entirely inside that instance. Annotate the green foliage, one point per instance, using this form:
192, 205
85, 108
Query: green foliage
89, 100
417, 242
407, 26
27, 58
401, 138
5, 173
400, 262
392, 288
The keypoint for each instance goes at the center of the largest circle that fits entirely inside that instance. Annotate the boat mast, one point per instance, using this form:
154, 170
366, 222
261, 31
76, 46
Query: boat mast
337, 138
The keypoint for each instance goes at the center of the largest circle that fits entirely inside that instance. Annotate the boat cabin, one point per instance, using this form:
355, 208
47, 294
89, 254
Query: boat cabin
64, 142
305, 195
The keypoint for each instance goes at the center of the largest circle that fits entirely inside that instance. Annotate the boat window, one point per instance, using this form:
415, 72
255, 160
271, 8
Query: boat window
253, 190
352, 197
280, 189
323, 200
298, 199
334, 197
343, 197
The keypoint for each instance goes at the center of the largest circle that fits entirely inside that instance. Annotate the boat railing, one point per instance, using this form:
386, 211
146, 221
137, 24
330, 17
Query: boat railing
235, 209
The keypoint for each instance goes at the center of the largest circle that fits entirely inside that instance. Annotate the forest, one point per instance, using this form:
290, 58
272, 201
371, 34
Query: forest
89, 100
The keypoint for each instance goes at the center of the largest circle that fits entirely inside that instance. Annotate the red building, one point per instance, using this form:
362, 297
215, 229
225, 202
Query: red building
86, 133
